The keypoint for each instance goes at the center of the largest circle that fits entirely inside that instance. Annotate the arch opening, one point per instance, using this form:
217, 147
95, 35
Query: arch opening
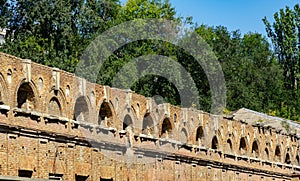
199, 136
214, 143
229, 145
243, 146
255, 150
287, 159
105, 115
148, 125
183, 135
81, 110
54, 107
127, 122
26, 97
277, 154
166, 128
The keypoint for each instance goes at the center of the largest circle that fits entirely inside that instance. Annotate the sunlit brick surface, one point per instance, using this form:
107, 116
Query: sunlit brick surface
119, 135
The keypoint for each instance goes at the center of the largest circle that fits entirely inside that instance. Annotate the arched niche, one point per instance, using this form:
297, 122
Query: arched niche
277, 156
199, 136
267, 157
81, 109
148, 125
229, 145
287, 159
166, 128
214, 143
183, 136
127, 122
105, 117
243, 146
26, 98
56, 102
255, 149
54, 107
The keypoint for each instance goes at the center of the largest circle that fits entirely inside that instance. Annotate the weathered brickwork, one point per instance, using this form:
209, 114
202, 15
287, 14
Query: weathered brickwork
54, 125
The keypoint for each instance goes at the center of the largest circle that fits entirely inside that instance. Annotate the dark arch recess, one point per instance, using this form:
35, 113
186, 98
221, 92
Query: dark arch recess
277, 154
166, 128
105, 115
255, 150
148, 125
243, 146
229, 145
215, 143
127, 122
25, 97
81, 110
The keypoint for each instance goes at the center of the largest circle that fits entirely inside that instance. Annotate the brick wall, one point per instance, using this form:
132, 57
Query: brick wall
50, 127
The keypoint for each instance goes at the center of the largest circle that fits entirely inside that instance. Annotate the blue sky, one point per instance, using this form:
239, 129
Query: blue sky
245, 15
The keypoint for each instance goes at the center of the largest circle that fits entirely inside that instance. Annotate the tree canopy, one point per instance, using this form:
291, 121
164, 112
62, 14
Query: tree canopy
285, 36
57, 32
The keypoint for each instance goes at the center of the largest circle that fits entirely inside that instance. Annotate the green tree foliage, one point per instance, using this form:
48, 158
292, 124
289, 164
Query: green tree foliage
251, 71
54, 32
4, 11
285, 36
57, 32
148, 85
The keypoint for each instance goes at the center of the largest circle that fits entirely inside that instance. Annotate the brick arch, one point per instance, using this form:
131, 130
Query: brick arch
287, 155
166, 127
199, 136
106, 114
54, 107
82, 109
130, 112
215, 143
127, 122
149, 125
183, 125
60, 98
287, 158
277, 153
243, 146
26, 95
4, 93
255, 148
183, 135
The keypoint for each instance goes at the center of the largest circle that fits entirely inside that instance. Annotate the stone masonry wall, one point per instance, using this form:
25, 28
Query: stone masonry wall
54, 125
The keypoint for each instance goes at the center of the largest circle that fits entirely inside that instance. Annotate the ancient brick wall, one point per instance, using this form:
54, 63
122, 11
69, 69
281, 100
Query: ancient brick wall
54, 125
